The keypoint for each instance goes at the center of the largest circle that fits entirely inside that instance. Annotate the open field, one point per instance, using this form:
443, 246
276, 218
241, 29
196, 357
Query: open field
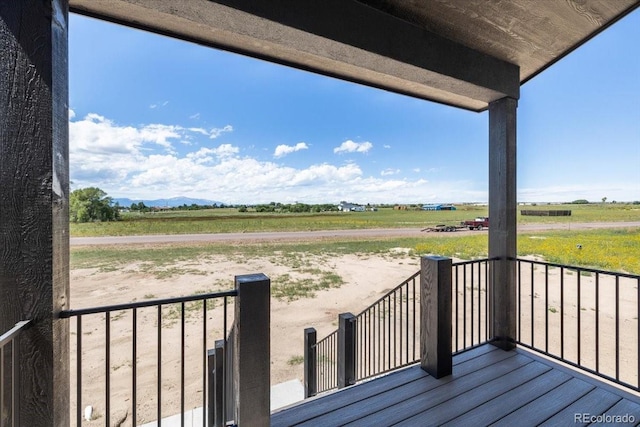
229, 220
613, 249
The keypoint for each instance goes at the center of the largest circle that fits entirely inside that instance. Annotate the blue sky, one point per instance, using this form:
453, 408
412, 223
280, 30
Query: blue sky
155, 118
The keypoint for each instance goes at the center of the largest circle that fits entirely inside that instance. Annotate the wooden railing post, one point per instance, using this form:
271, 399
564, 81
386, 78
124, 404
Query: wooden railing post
346, 350
211, 387
310, 362
251, 352
435, 316
215, 362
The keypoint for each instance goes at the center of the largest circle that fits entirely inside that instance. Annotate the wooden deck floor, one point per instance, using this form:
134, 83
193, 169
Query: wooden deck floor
488, 387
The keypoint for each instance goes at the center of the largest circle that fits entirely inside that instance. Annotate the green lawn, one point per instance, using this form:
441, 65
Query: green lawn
230, 220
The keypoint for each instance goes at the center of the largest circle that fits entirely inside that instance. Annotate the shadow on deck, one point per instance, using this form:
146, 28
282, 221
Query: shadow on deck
488, 386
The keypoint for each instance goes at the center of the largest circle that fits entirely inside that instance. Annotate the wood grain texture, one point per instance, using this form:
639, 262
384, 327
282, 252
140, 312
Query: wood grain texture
548, 404
503, 216
528, 33
623, 408
344, 397
401, 402
346, 350
412, 410
310, 362
514, 396
252, 349
435, 316
34, 253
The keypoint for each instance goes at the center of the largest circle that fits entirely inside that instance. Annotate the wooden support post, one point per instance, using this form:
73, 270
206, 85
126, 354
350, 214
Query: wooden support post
310, 362
346, 350
435, 316
251, 352
34, 212
502, 216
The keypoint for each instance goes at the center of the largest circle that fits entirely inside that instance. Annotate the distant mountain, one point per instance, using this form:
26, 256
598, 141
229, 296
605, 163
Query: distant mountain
172, 202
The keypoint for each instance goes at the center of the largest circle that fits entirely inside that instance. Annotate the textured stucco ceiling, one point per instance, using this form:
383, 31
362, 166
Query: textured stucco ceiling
465, 53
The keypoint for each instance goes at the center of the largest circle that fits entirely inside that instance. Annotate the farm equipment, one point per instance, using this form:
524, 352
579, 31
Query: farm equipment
473, 224
442, 228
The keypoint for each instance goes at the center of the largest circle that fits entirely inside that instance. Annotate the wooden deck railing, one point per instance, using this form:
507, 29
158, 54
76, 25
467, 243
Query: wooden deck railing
386, 335
470, 303
9, 373
163, 373
388, 331
585, 317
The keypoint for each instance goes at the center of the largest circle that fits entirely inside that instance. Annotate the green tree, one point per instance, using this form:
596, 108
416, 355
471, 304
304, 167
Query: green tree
91, 204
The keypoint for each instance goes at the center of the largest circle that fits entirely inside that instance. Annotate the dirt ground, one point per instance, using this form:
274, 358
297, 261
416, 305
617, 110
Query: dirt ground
365, 279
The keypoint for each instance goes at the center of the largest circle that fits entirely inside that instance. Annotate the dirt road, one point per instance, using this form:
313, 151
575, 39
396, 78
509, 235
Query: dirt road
322, 234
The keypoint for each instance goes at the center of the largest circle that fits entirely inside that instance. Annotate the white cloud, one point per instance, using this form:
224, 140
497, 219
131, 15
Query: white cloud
199, 130
159, 105
353, 147
216, 132
283, 150
195, 116
103, 150
226, 150
390, 171
202, 156
138, 162
387, 146
416, 170
72, 114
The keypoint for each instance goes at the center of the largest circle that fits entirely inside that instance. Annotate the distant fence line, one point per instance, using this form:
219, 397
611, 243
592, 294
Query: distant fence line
550, 212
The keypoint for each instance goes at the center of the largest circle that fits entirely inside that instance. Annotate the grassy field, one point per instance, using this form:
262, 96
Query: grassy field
611, 249
229, 220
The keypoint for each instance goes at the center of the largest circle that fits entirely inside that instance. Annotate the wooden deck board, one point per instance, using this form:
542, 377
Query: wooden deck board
487, 386
475, 398
623, 408
356, 394
595, 402
414, 407
362, 394
521, 395
548, 404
